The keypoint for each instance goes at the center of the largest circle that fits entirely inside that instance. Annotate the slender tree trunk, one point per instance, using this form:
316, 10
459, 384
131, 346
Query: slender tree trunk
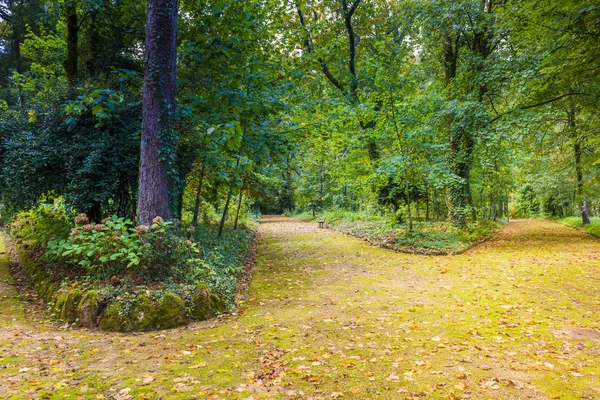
225, 210
158, 135
408, 203
198, 195
427, 204
436, 214
576, 153
237, 213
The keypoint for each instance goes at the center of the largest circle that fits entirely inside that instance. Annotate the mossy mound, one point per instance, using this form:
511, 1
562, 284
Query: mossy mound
65, 304
113, 320
89, 309
170, 312
206, 304
140, 316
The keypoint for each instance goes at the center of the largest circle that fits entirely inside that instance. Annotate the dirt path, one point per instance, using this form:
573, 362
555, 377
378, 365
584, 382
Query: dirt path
328, 316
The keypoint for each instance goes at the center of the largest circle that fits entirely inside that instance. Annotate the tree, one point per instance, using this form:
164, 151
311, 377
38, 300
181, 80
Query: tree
159, 138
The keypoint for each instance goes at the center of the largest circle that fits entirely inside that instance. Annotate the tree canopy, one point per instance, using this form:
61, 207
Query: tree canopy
463, 110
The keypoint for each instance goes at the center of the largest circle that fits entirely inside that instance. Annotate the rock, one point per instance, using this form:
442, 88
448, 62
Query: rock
112, 320
206, 304
89, 309
170, 312
142, 315
65, 304
49, 292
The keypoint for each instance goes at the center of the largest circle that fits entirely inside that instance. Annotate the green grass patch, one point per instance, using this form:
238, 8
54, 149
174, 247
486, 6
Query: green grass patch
426, 236
593, 228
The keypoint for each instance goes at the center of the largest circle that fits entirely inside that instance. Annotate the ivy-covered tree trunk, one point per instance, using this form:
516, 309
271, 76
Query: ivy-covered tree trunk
461, 145
159, 138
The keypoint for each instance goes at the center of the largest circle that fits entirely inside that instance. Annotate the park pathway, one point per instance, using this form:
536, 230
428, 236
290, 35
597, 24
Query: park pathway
328, 316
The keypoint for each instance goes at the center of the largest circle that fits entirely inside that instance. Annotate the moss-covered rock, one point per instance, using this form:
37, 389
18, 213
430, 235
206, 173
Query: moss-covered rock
142, 315
65, 304
206, 304
49, 292
89, 309
139, 317
217, 304
170, 312
113, 320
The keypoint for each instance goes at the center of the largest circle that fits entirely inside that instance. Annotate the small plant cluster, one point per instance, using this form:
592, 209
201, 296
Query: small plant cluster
116, 244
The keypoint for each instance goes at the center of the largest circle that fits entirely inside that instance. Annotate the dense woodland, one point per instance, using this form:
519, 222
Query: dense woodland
460, 110
141, 141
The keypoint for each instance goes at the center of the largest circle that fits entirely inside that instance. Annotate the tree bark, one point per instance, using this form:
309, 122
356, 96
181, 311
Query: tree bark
158, 136
237, 213
198, 195
577, 151
225, 210
585, 214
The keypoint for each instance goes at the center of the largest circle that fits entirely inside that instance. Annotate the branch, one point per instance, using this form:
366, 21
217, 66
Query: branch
550, 101
352, 8
351, 45
308, 42
527, 107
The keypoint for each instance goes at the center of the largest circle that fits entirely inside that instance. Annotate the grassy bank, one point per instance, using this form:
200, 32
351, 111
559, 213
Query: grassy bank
593, 228
430, 237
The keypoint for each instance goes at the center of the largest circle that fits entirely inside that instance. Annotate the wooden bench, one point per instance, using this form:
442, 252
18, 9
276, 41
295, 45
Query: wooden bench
322, 222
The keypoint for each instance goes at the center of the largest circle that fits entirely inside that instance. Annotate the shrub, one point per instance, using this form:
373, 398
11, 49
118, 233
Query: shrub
40, 225
116, 245
108, 247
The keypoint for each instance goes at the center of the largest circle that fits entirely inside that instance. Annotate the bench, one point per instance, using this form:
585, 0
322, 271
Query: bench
322, 222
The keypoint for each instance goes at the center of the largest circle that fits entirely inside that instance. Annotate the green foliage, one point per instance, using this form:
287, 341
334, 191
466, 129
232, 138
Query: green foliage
40, 226
109, 247
115, 245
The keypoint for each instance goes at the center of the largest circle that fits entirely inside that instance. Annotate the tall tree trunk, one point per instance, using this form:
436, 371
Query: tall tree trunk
576, 152
585, 216
225, 210
427, 204
408, 202
198, 195
461, 153
70, 61
237, 213
158, 135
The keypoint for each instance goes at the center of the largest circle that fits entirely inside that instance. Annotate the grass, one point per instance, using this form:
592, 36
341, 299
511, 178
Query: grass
593, 228
329, 317
429, 237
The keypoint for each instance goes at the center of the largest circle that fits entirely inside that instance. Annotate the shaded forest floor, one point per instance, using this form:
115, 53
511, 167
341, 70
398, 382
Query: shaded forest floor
328, 316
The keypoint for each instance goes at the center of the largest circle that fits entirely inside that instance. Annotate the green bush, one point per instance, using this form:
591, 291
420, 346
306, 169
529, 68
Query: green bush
40, 225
